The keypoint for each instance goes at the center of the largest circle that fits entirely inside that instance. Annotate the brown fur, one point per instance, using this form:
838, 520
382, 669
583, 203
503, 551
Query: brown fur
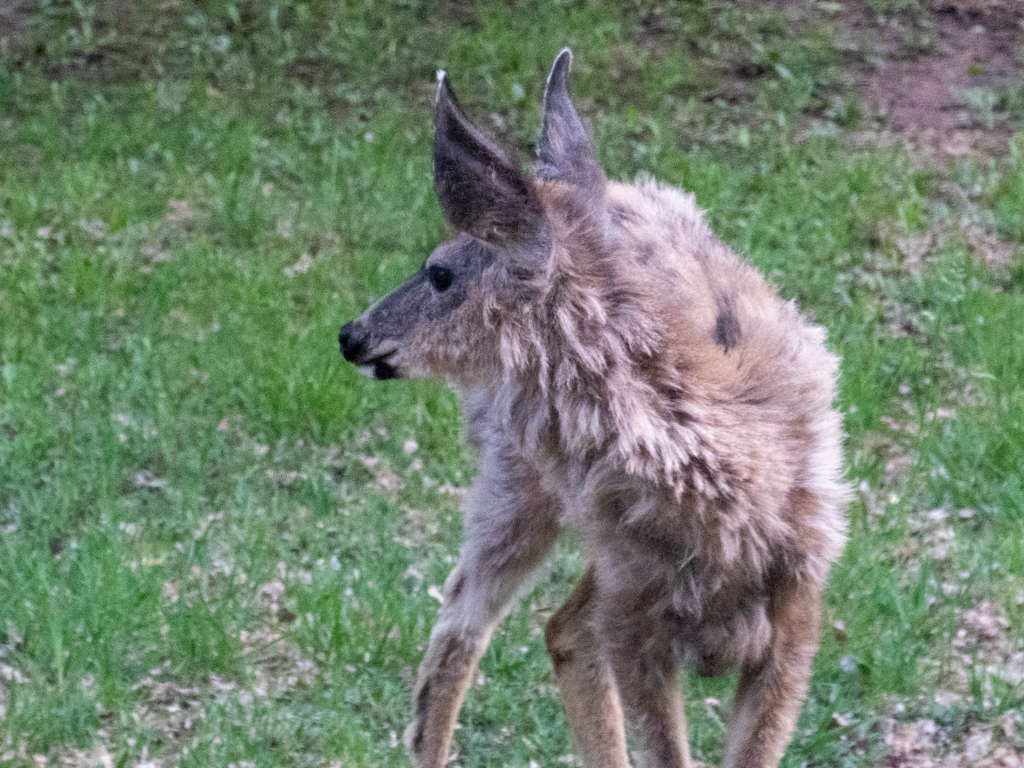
626, 374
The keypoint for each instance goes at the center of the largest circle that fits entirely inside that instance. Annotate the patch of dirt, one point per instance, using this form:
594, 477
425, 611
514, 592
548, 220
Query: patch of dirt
14, 17
915, 251
941, 102
924, 744
980, 650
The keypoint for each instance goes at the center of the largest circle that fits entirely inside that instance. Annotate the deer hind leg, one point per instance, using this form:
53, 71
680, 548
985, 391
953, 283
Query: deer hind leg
509, 526
772, 690
639, 649
585, 680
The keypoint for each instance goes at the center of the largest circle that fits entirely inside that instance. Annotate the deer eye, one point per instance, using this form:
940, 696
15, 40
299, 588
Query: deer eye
440, 278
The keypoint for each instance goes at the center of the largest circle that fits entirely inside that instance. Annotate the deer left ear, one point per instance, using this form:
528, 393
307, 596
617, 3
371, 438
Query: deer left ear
480, 190
564, 148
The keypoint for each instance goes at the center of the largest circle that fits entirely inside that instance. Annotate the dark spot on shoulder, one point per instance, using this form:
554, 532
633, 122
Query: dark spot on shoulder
727, 326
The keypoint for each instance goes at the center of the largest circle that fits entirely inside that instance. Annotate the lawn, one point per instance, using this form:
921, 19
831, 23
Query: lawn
222, 547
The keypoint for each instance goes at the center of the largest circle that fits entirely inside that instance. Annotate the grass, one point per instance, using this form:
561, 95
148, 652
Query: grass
219, 543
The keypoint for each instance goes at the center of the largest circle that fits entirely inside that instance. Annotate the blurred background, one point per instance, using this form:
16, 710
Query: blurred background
219, 546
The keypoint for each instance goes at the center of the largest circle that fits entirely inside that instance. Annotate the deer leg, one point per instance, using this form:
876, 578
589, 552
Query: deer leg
639, 650
509, 527
585, 680
772, 690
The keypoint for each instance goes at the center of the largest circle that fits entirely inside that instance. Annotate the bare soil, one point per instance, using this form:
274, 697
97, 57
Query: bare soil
975, 46
13, 18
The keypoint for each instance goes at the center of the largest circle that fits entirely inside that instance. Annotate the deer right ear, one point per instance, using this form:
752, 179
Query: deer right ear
564, 148
481, 192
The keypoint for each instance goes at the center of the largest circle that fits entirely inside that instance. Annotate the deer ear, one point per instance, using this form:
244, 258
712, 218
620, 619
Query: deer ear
565, 151
480, 190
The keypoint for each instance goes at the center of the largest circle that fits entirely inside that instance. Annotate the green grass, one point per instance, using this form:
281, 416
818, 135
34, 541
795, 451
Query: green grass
219, 541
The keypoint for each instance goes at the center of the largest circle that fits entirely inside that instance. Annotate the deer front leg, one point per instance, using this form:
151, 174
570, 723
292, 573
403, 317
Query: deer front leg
772, 690
510, 525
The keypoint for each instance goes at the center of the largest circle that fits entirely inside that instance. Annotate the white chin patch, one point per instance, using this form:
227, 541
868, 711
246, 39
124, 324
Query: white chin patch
366, 370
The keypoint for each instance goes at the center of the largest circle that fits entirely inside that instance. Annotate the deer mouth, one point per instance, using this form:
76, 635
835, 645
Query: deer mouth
379, 368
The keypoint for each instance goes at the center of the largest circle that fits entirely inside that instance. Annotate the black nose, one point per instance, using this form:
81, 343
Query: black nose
351, 345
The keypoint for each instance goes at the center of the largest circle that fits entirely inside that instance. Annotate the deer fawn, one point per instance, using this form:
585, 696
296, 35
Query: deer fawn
626, 374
